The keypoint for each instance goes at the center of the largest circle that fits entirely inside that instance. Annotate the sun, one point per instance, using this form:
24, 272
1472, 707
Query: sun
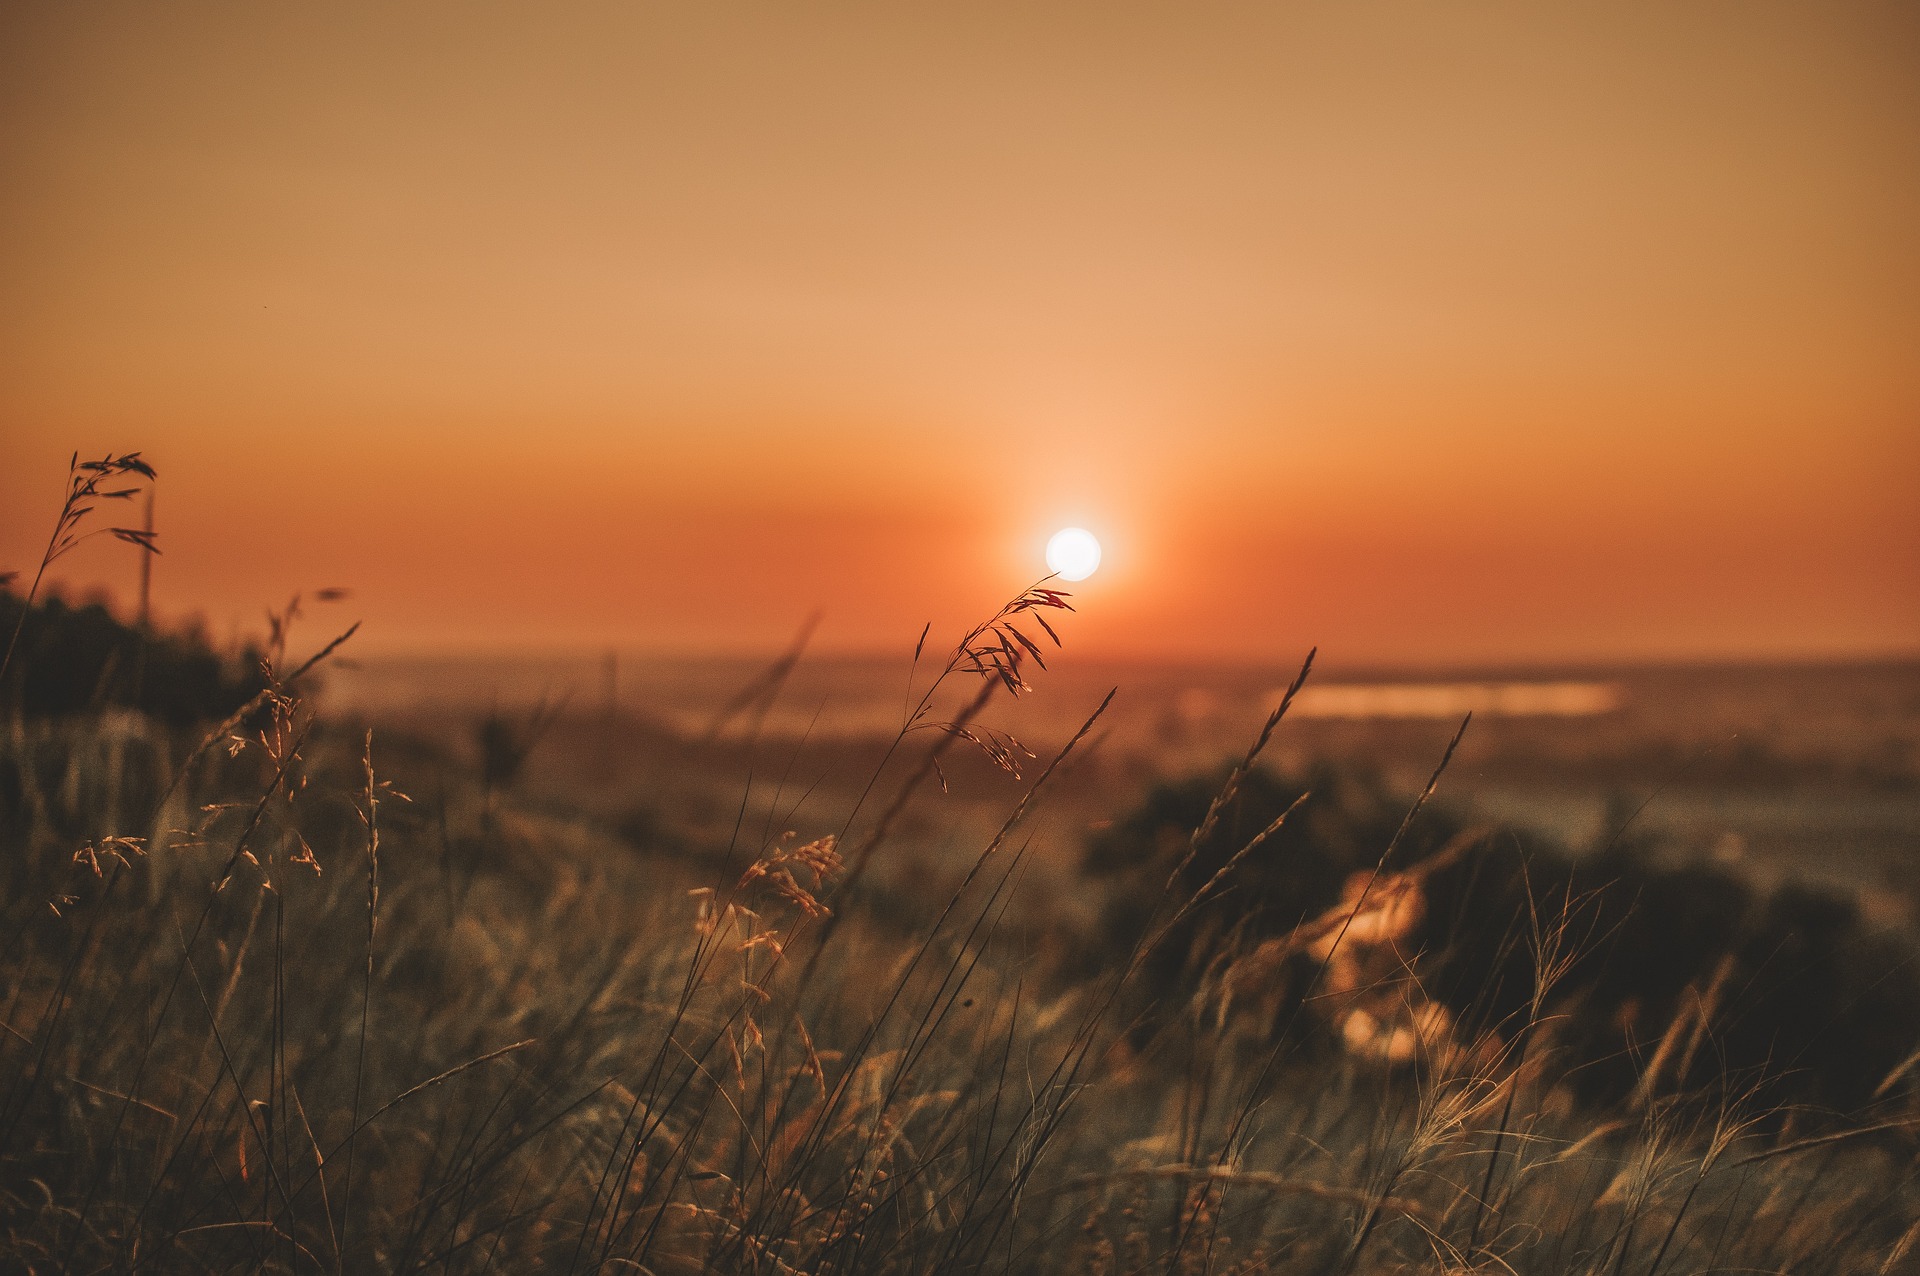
1073, 553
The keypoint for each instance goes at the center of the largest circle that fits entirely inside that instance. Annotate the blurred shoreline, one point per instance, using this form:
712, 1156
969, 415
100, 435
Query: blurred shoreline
1783, 772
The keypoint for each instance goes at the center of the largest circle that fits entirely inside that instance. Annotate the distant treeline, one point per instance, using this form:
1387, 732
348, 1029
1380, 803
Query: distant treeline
72, 659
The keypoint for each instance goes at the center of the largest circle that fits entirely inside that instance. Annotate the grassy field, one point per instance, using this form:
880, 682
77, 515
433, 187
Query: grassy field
282, 994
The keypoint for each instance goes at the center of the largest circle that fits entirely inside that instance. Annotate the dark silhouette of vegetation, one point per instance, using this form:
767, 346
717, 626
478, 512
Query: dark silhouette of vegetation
1348, 817
504, 743
263, 1015
89, 486
1787, 996
75, 659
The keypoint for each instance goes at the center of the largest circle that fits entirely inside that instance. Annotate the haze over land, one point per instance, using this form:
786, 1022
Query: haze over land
1425, 335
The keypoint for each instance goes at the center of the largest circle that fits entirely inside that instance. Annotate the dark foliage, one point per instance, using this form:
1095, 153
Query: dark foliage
73, 659
1297, 874
1805, 1003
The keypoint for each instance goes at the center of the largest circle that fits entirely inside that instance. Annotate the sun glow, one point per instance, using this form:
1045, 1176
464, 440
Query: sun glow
1073, 554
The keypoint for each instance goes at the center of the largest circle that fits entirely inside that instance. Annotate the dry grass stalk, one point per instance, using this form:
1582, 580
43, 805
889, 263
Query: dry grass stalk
85, 490
673, 1098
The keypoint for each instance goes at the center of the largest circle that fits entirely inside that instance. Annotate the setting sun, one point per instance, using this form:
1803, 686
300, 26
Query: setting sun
1472, 822
1073, 554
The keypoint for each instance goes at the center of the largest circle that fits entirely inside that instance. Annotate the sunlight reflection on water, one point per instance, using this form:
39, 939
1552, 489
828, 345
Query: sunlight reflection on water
1455, 699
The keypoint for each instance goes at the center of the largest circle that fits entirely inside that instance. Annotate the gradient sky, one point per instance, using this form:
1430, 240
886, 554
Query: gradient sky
1424, 332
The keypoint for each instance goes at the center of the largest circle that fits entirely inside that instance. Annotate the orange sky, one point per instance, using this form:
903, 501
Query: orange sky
1423, 332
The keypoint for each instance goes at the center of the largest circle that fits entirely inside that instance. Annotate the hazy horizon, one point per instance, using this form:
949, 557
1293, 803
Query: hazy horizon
1426, 336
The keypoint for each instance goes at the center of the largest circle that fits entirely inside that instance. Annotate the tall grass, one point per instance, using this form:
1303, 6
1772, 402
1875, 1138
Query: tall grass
86, 490
282, 1019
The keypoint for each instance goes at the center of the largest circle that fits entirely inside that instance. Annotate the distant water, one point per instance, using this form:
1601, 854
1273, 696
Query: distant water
1453, 700
1792, 770
1158, 706
1856, 713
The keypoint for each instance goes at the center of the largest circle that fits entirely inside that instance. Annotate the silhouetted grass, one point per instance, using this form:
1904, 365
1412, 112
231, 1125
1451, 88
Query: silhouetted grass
264, 1013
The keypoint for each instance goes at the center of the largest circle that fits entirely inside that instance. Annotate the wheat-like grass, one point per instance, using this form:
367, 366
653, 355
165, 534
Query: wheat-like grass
300, 1046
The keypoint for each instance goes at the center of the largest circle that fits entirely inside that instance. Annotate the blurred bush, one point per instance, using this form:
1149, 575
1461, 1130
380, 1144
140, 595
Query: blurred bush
1785, 996
73, 659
